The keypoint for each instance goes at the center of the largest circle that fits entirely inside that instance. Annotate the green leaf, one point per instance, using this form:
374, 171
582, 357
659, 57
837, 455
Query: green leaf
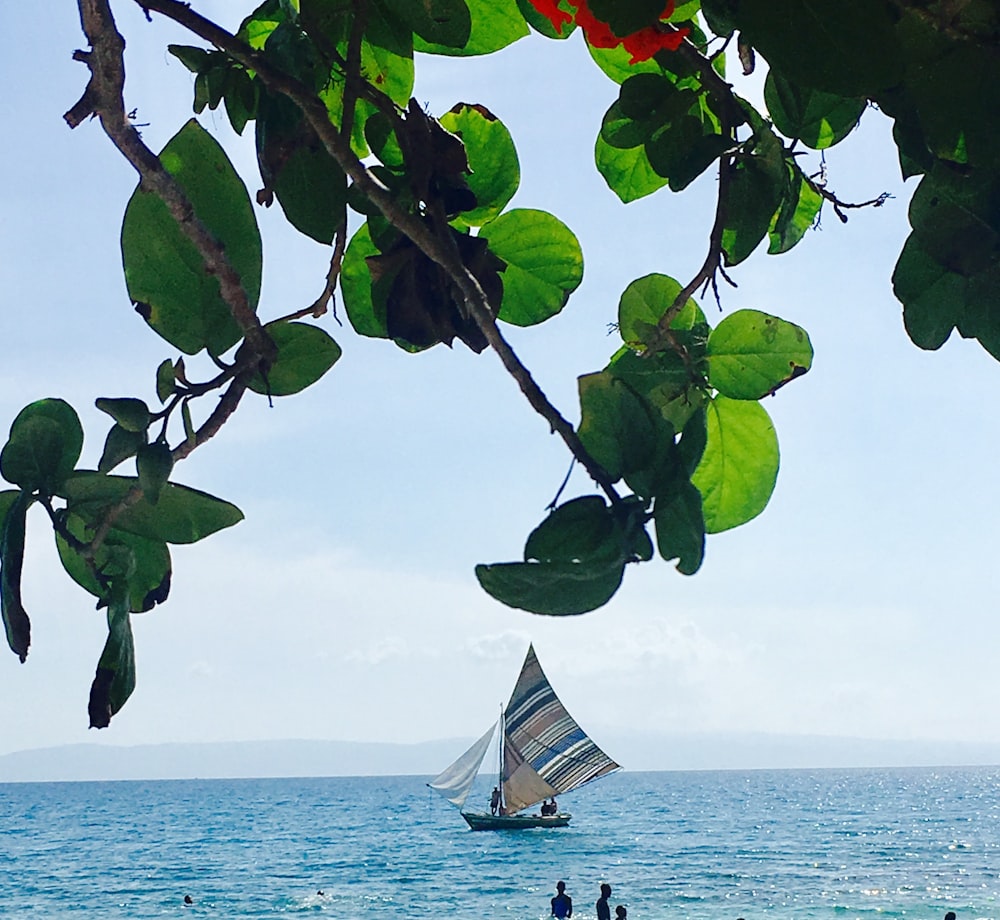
739, 468
194, 59
581, 530
544, 264
933, 297
17, 626
441, 22
119, 445
627, 16
800, 206
309, 184
680, 527
182, 515
751, 354
495, 171
849, 48
148, 580
44, 445
627, 172
154, 463
356, 287
552, 588
189, 433
305, 353
132, 414
818, 119
495, 24
642, 306
755, 194
541, 24
615, 62
115, 678
166, 379
683, 151
165, 274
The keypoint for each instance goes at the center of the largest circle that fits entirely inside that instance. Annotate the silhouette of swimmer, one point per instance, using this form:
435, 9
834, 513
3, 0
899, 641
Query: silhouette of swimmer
620, 912
187, 899
950, 915
603, 911
562, 903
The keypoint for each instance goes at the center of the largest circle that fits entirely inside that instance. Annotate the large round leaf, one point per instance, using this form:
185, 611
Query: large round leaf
643, 304
739, 468
356, 287
751, 354
495, 24
627, 171
305, 353
44, 445
164, 272
553, 588
544, 264
495, 171
818, 119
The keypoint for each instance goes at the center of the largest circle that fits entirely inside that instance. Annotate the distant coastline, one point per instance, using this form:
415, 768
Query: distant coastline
248, 759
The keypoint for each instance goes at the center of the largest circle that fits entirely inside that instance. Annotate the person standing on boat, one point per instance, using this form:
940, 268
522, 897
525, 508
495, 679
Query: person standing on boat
495, 799
603, 910
562, 903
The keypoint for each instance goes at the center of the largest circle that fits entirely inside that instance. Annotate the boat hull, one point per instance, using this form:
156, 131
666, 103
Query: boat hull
483, 822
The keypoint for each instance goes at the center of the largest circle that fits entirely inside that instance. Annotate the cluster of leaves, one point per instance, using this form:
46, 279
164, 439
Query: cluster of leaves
436, 255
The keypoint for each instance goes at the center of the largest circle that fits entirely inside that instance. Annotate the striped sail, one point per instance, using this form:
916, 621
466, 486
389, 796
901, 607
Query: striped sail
545, 751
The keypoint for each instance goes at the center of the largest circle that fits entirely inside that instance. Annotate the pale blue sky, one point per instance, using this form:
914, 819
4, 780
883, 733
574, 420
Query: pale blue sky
345, 607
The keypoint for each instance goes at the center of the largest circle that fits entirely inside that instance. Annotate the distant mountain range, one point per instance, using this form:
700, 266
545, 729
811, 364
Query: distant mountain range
348, 758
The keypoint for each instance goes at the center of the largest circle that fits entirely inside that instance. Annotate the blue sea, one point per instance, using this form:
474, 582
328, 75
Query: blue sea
796, 845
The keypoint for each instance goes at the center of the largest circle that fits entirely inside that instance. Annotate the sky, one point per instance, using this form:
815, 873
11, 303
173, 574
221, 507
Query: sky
860, 604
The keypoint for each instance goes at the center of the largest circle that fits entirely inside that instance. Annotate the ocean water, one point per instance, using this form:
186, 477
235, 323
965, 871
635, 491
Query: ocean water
796, 845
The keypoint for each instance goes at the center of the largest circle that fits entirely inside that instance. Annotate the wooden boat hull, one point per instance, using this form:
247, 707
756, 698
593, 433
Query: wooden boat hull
484, 822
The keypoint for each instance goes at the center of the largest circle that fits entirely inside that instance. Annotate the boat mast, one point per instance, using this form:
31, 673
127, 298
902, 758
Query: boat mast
500, 752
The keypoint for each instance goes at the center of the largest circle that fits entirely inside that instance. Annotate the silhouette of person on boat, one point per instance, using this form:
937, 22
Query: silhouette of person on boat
549, 808
495, 800
562, 903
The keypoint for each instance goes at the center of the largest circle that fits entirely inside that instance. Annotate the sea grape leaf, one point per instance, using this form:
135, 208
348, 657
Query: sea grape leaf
164, 272
818, 119
693, 440
115, 678
552, 588
495, 25
130, 413
627, 172
581, 530
440, 22
119, 445
305, 353
683, 151
45, 442
680, 527
751, 354
627, 16
182, 515
755, 194
849, 48
166, 380
933, 297
541, 24
739, 468
17, 625
800, 206
154, 463
544, 264
495, 170
356, 287
614, 62
149, 580
643, 304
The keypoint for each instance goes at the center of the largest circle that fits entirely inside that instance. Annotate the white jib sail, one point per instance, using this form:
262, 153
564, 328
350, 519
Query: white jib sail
454, 782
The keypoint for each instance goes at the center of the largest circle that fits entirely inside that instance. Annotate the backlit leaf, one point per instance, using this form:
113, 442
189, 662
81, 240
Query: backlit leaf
553, 588
305, 353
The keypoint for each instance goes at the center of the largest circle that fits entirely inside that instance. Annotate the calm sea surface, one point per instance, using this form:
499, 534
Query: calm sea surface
816, 845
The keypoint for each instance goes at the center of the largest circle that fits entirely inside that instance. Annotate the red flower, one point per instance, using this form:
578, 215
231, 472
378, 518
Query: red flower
642, 45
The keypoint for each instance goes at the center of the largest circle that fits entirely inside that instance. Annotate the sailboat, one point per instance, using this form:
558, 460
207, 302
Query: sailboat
543, 753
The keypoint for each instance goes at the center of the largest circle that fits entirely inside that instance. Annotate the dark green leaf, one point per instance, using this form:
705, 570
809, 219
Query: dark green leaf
739, 468
17, 626
194, 59
189, 432
581, 530
305, 353
934, 298
165, 274
627, 16
495, 24
154, 463
818, 119
680, 527
553, 588
800, 206
182, 515
694, 439
442, 22
683, 151
356, 287
115, 678
165, 380
751, 354
119, 445
132, 414
755, 194
44, 445
495, 171
544, 264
